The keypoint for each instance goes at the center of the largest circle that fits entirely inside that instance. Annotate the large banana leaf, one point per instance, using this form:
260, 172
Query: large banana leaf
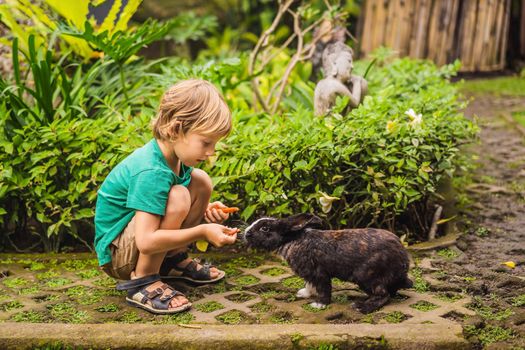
75, 13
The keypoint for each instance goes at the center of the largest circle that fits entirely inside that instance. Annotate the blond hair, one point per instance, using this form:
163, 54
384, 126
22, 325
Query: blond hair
191, 105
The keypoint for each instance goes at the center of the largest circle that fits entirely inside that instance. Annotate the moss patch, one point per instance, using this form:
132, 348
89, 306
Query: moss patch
240, 297
449, 296
209, 306
420, 285
232, 317
282, 317
310, 308
29, 316
447, 253
261, 307
294, 282
16, 282
519, 300
67, 313
395, 317
178, 318
423, 305
11, 305
245, 280
489, 334
112, 307
274, 271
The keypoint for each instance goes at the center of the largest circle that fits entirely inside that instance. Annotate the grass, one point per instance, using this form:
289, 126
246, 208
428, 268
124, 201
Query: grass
47, 275
240, 297
16, 282
231, 317
77, 264
423, 305
261, 307
106, 282
11, 305
209, 306
310, 308
489, 334
519, 300
488, 313
282, 317
482, 231
294, 282
447, 253
420, 285
274, 271
367, 319
340, 299
58, 282
129, 317
508, 86
395, 317
30, 290
37, 266
84, 295
519, 117
108, 308
178, 318
29, 316
67, 313
448, 296
86, 274
246, 280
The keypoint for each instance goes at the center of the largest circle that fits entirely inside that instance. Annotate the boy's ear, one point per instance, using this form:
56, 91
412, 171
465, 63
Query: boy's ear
302, 221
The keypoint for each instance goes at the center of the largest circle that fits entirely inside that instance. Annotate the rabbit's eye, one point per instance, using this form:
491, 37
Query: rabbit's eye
265, 229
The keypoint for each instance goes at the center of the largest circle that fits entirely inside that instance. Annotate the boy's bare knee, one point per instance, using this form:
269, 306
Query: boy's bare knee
201, 181
179, 201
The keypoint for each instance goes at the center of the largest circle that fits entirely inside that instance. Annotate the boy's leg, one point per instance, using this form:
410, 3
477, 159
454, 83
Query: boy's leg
200, 189
177, 209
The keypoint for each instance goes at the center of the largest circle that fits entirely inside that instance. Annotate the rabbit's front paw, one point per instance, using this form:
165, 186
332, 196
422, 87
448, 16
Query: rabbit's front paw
306, 292
303, 293
318, 305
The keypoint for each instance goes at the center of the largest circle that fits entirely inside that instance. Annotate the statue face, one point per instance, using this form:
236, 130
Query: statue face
344, 64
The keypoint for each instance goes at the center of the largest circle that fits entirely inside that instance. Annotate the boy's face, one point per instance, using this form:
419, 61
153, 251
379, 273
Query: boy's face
194, 148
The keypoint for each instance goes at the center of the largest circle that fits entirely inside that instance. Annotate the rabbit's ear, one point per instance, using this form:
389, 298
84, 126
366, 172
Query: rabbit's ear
302, 221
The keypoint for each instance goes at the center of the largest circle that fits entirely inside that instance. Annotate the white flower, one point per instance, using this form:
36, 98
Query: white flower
326, 202
415, 119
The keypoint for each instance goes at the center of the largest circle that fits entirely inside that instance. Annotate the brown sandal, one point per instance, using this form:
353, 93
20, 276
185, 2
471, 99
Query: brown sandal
170, 270
159, 299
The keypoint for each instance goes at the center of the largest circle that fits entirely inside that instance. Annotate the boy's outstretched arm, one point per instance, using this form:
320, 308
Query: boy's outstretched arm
150, 239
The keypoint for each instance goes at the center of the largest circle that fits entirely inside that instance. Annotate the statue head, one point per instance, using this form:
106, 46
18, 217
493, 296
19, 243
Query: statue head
338, 61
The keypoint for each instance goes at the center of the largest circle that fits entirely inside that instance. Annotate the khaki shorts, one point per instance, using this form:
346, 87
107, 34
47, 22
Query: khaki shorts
124, 254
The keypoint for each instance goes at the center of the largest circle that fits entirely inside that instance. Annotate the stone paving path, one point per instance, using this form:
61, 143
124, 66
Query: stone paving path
71, 289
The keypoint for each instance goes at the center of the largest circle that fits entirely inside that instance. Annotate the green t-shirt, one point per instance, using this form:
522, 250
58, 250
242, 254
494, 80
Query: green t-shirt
142, 181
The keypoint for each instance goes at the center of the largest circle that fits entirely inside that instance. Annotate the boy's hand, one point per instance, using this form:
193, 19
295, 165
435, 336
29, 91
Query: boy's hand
220, 235
214, 214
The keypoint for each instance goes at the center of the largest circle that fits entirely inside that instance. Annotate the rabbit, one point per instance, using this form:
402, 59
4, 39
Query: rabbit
372, 258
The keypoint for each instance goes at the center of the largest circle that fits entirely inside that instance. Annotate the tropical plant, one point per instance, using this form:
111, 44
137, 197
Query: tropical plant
41, 22
368, 167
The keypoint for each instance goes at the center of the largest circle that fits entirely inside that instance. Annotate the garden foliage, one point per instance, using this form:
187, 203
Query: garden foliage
367, 167
66, 124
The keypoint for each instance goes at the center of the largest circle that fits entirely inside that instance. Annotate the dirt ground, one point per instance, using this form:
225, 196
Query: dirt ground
493, 217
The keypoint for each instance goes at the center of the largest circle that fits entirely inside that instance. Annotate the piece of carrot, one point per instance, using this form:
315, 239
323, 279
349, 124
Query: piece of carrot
229, 210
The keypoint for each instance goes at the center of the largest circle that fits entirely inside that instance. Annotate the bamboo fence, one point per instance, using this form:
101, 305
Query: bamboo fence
474, 31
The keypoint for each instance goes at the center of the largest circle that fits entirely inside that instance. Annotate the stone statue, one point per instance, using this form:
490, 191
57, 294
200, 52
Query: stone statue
338, 80
331, 34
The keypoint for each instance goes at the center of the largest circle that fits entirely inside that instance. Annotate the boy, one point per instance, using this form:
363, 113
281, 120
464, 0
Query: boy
151, 205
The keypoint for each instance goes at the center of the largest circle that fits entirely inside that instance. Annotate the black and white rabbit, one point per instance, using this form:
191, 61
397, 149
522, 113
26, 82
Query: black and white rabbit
374, 259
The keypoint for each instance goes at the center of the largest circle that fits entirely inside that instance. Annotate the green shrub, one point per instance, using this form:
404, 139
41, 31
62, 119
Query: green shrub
376, 161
